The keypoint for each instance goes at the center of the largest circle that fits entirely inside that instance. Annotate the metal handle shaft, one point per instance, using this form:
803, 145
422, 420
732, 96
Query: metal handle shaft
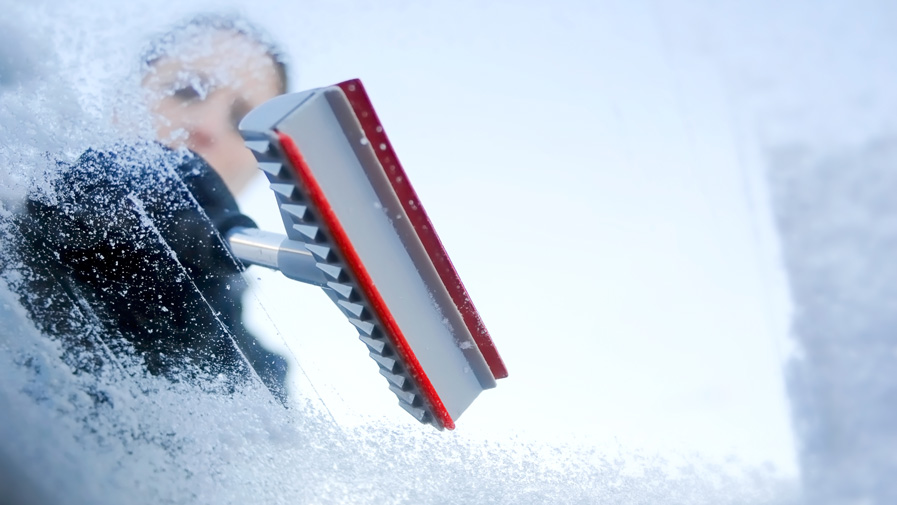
275, 251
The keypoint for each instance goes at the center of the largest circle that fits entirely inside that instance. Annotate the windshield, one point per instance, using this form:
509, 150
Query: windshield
674, 217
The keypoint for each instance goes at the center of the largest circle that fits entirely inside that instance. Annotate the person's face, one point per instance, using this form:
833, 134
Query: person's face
199, 94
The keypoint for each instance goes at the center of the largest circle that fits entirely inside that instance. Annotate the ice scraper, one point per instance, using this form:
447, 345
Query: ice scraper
356, 228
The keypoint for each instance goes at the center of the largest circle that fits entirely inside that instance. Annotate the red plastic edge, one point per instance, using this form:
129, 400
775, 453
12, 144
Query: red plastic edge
365, 283
376, 135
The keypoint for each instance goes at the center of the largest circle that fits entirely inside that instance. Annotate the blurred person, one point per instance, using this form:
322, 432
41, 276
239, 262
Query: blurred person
126, 255
201, 79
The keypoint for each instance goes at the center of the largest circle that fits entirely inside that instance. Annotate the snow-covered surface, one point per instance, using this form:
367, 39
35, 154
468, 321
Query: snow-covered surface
608, 178
834, 204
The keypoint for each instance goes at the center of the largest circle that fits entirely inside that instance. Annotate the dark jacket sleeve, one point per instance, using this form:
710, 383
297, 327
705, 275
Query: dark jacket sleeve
137, 233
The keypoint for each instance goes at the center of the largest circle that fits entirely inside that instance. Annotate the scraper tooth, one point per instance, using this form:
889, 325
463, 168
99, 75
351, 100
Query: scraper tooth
272, 167
388, 363
324, 254
287, 190
344, 290
332, 271
375, 345
398, 380
297, 211
356, 309
416, 412
364, 326
406, 396
258, 146
311, 232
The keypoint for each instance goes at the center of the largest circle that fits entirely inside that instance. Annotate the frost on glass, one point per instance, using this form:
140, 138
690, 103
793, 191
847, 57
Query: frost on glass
838, 216
88, 416
822, 102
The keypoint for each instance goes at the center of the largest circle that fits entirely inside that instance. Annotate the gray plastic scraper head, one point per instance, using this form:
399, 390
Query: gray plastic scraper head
325, 152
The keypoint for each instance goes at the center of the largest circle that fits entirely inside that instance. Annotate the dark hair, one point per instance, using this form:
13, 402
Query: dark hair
163, 44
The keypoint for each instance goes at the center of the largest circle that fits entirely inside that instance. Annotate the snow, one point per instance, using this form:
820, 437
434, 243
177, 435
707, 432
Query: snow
154, 442
844, 282
657, 206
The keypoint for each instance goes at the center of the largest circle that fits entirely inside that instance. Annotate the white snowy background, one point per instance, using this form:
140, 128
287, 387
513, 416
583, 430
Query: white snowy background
599, 173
